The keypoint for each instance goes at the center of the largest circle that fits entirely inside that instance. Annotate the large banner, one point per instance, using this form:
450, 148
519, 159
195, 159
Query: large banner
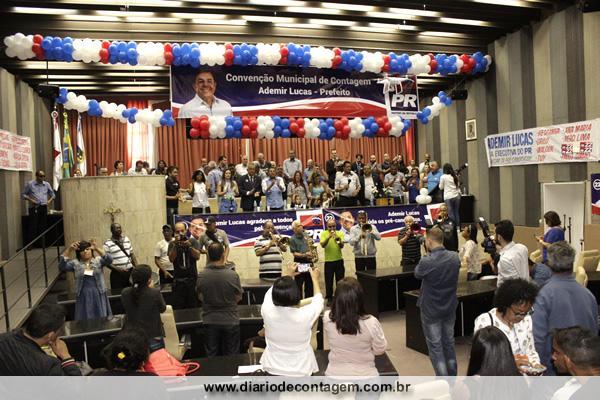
573, 142
244, 228
288, 92
15, 152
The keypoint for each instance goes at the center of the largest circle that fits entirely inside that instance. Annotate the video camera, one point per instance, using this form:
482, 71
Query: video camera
461, 168
489, 241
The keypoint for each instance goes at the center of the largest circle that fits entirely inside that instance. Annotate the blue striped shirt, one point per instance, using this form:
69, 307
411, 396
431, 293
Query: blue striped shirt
41, 192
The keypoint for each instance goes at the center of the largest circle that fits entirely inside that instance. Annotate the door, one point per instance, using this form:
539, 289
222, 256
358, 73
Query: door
568, 200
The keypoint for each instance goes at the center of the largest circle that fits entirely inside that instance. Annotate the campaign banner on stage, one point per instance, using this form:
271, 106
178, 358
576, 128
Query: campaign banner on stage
573, 142
595, 181
244, 228
287, 92
15, 151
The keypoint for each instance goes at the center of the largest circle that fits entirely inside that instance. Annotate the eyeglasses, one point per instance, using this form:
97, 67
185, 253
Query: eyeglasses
522, 314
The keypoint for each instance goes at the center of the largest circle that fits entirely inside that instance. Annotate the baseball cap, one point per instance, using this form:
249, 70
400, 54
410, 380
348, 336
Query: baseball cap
211, 220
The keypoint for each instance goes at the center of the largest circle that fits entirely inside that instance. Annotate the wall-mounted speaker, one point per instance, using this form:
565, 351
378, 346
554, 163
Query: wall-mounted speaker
47, 91
460, 94
588, 5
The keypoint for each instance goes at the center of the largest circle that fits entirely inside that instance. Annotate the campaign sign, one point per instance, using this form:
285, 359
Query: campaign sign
243, 228
595, 180
286, 92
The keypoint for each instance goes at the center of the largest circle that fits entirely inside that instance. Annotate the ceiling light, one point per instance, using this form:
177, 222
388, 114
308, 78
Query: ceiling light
461, 21
510, 3
331, 22
301, 26
202, 21
389, 15
260, 18
126, 13
347, 7
311, 10
196, 15
401, 27
413, 12
278, 3
441, 34
37, 10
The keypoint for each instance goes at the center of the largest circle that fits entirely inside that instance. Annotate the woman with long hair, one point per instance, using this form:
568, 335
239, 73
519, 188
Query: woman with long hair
555, 232
297, 191
316, 187
90, 289
423, 177
491, 354
450, 185
199, 189
227, 189
413, 185
355, 337
143, 304
288, 327
161, 168
469, 252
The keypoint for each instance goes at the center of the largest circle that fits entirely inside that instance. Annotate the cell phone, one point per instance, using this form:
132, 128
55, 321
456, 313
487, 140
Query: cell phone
303, 267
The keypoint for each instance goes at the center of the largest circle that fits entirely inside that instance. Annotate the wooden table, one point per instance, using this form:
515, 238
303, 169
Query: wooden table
474, 298
383, 288
228, 365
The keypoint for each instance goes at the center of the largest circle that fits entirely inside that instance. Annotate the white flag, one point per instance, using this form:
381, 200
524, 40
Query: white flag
80, 152
56, 153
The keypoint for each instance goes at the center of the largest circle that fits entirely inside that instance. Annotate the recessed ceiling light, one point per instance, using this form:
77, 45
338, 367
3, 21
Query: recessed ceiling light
331, 22
311, 10
347, 7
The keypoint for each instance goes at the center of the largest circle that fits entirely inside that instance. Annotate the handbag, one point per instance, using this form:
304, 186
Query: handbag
162, 363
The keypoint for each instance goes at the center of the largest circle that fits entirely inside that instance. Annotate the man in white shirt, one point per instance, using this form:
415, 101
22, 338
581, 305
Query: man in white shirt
273, 187
138, 169
347, 184
241, 169
291, 165
514, 257
161, 255
205, 102
395, 181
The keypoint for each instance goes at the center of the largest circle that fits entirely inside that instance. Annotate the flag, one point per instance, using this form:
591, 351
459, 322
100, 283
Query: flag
56, 153
67, 151
80, 148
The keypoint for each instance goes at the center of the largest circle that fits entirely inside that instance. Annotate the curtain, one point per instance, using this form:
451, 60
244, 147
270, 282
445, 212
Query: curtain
174, 147
140, 138
105, 140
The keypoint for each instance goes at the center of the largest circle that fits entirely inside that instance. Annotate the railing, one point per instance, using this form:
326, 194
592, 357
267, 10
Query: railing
4, 286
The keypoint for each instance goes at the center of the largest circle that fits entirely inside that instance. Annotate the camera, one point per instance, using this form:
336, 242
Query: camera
489, 241
415, 227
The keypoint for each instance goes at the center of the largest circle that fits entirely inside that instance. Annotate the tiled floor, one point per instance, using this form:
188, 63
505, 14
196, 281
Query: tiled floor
16, 283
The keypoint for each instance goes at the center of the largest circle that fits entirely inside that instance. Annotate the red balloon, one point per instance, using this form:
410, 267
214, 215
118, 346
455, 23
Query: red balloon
204, 124
385, 68
337, 60
195, 133
168, 48
168, 58
228, 46
387, 59
245, 120
229, 54
105, 44
283, 61
196, 122
253, 135
346, 135
433, 64
104, 54
380, 121
36, 48
204, 134
387, 126
300, 122
344, 120
245, 130
38, 39
253, 124
346, 130
381, 132
301, 132
338, 125
284, 51
337, 51
338, 135
294, 127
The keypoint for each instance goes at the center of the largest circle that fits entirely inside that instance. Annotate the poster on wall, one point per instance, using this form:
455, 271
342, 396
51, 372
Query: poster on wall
284, 91
595, 181
573, 142
243, 228
15, 152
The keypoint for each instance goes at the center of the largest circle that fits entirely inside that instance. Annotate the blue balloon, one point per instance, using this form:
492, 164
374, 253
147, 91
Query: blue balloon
329, 121
448, 101
237, 125
125, 113
330, 130
237, 59
323, 127
168, 113
277, 130
229, 130
285, 123
441, 93
276, 120
254, 50
306, 57
374, 127
47, 43
186, 48
176, 50
419, 114
254, 60
286, 133
426, 112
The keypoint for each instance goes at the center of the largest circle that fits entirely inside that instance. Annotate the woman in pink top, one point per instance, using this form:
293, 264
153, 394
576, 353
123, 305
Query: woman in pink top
355, 337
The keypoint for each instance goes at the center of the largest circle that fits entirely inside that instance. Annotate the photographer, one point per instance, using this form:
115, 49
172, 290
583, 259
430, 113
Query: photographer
184, 252
448, 226
410, 238
332, 242
513, 262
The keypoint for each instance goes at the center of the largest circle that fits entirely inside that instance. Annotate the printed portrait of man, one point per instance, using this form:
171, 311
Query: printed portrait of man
205, 102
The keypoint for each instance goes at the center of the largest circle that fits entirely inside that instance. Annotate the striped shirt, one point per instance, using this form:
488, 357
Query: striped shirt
120, 260
270, 262
411, 250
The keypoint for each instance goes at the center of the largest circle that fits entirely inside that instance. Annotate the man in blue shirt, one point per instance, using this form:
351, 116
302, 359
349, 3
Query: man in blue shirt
561, 303
273, 187
437, 302
40, 195
433, 181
